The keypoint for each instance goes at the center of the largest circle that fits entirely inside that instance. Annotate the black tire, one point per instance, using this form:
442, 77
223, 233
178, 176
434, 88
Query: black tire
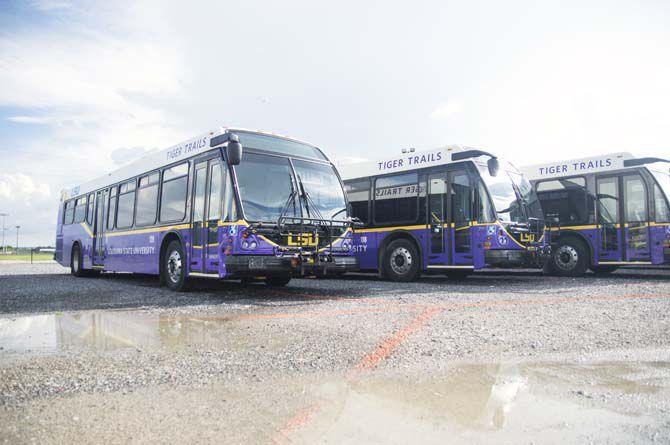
458, 274
603, 270
570, 258
400, 261
173, 267
77, 262
278, 281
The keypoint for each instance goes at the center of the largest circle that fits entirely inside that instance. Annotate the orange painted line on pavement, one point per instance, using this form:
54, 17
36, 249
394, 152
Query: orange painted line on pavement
303, 417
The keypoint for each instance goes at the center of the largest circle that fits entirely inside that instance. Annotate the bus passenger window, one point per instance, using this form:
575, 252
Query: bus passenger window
80, 210
147, 200
173, 195
396, 198
89, 211
566, 198
661, 205
358, 193
69, 212
126, 206
111, 214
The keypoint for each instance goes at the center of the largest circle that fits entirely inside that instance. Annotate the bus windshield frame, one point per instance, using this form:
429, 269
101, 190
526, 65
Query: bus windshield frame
270, 187
514, 199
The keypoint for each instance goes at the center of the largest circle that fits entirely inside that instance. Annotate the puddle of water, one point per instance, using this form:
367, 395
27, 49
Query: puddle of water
103, 331
502, 403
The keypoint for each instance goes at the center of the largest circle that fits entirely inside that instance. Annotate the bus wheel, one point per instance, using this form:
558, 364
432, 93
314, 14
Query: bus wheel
570, 258
277, 281
603, 270
401, 261
77, 262
174, 267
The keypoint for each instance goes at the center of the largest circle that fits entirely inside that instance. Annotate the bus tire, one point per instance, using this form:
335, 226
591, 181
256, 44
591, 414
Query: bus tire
603, 270
173, 267
400, 261
77, 262
570, 258
277, 281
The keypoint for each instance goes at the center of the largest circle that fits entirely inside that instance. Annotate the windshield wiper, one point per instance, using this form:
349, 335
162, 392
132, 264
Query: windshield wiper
291, 199
308, 200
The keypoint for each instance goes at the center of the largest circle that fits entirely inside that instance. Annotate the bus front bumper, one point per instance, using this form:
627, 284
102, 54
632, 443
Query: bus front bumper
255, 265
517, 258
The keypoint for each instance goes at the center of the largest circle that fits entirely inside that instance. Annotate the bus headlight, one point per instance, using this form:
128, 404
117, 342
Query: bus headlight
245, 245
253, 245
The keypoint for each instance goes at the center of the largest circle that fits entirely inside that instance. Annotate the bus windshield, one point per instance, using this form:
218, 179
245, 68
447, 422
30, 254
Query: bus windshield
323, 189
528, 195
265, 186
267, 190
505, 200
663, 179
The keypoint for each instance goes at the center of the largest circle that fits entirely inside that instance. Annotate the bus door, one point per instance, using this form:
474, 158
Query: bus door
623, 227
636, 218
207, 193
99, 229
450, 207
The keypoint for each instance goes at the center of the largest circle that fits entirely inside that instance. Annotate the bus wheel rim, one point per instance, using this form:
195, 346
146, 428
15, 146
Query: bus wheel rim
174, 266
401, 261
567, 257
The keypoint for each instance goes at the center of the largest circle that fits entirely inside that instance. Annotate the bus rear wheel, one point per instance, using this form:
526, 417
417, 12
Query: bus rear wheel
279, 281
569, 259
77, 262
173, 267
400, 261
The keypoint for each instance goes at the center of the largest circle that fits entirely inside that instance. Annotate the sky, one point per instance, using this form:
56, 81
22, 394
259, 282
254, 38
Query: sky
86, 87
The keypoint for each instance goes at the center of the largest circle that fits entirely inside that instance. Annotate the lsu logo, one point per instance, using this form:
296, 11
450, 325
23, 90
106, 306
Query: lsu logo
527, 237
303, 240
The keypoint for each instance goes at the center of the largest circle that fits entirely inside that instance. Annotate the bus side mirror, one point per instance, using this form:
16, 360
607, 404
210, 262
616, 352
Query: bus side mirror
493, 166
234, 150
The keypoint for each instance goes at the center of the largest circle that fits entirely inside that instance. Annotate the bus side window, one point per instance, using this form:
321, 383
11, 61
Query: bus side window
69, 212
397, 198
484, 208
173, 193
566, 198
661, 205
147, 200
80, 210
358, 193
111, 209
126, 206
89, 210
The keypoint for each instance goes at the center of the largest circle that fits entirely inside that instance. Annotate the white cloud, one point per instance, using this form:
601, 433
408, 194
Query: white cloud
446, 111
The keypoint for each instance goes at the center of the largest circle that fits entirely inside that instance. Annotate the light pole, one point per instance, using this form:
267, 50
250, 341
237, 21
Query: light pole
17, 239
4, 248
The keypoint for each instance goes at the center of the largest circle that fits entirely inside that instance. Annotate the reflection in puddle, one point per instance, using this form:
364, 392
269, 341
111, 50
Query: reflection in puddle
102, 331
501, 403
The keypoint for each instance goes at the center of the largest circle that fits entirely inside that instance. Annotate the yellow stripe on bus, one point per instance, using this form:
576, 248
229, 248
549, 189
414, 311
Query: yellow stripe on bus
149, 230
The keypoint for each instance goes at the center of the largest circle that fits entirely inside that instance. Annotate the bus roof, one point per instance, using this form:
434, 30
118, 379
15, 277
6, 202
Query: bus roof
592, 164
409, 161
158, 158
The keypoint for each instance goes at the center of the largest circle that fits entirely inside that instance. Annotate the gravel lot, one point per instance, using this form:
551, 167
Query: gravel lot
504, 356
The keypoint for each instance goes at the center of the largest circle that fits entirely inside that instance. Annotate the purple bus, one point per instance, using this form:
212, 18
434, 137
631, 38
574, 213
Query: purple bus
451, 210
203, 209
604, 212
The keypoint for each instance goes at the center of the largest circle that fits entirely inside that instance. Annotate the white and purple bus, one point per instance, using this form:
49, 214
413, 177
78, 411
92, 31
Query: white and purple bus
203, 209
604, 212
451, 210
